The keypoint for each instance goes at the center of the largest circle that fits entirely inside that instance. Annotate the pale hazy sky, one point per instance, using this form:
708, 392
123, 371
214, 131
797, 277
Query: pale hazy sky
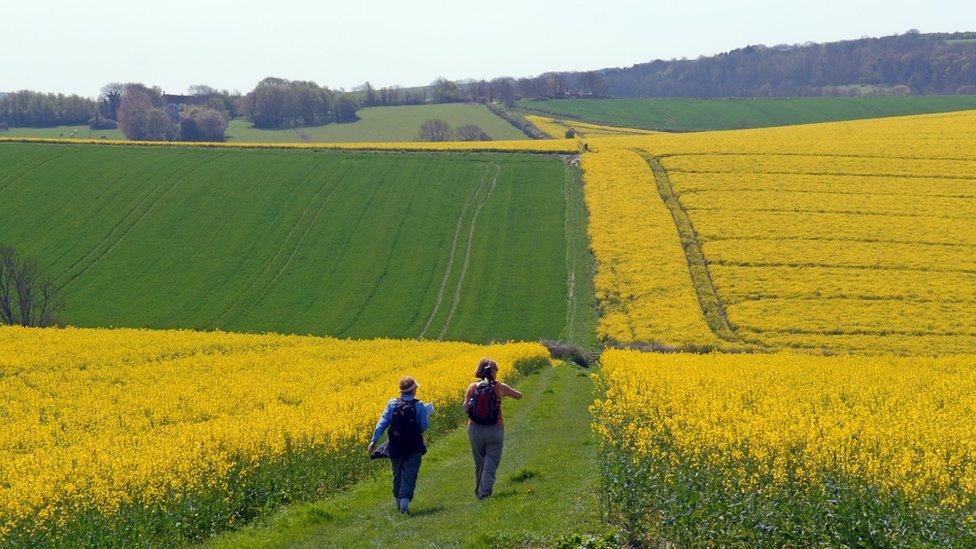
77, 46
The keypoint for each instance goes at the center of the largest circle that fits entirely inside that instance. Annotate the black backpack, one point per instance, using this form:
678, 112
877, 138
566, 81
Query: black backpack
406, 437
484, 408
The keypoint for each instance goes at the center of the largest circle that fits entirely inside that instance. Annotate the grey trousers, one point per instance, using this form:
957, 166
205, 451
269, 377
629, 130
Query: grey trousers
487, 442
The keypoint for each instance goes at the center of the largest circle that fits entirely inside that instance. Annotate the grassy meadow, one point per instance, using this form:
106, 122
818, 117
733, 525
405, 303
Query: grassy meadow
725, 114
382, 124
375, 125
66, 132
444, 246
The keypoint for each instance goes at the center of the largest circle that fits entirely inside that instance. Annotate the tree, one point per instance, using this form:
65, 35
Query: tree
592, 83
503, 89
28, 297
532, 87
445, 91
110, 99
371, 99
158, 126
482, 92
344, 108
202, 124
133, 111
435, 130
555, 84
280, 103
41, 110
99, 122
470, 132
202, 90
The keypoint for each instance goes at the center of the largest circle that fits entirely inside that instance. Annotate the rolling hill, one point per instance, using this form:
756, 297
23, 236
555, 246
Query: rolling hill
348, 244
674, 114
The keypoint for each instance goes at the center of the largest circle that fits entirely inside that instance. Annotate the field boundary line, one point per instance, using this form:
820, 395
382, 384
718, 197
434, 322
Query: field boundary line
855, 332
450, 259
821, 265
834, 174
267, 266
699, 190
708, 299
467, 253
813, 296
176, 179
827, 155
844, 213
849, 240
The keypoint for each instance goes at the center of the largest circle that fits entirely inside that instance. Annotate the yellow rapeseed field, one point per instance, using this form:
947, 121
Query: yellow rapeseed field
557, 128
903, 427
847, 236
93, 420
642, 281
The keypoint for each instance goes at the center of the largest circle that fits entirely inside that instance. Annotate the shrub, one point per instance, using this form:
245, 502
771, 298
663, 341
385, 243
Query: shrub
99, 122
470, 132
572, 353
435, 130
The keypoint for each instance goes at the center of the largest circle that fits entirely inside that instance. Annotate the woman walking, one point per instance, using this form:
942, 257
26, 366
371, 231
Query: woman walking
486, 428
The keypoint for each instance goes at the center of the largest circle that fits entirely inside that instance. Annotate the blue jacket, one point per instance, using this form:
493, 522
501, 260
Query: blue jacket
384, 421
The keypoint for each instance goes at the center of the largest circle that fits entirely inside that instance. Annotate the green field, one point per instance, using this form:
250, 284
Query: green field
443, 245
382, 124
725, 114
80, 132
375, 124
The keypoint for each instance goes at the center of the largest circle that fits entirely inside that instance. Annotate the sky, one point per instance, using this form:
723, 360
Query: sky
77, 46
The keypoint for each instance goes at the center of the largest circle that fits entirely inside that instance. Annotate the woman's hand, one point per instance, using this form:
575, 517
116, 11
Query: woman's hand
370, 448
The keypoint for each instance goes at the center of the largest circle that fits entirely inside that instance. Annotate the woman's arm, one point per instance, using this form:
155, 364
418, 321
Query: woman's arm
509, 392
467, 395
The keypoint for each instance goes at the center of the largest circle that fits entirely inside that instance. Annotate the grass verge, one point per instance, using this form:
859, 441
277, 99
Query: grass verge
547, 492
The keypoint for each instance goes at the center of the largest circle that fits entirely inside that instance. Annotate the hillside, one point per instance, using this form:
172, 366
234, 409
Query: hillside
676, 114
845, 237
383, 124
375, 124
348, 244
936, 63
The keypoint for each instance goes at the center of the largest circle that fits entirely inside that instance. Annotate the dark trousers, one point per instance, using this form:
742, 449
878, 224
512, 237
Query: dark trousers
405, 470
487, 443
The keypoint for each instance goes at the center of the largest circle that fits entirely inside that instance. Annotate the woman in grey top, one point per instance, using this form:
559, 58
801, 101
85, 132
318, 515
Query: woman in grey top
486, 428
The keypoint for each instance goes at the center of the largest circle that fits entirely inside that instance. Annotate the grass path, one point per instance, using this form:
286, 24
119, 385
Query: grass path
547, 486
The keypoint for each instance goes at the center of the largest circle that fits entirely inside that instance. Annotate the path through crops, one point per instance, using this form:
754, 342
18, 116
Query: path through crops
547, 488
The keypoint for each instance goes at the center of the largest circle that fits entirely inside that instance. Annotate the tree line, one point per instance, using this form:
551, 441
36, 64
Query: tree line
909, 63
146, 113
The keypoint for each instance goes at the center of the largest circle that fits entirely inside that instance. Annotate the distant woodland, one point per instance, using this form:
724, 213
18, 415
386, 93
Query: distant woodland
909, 63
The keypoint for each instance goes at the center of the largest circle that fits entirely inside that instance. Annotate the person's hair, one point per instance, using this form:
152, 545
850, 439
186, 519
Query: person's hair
408, 385
486, 369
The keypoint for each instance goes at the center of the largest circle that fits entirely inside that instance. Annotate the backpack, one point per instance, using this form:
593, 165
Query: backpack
406, 437
484, 407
